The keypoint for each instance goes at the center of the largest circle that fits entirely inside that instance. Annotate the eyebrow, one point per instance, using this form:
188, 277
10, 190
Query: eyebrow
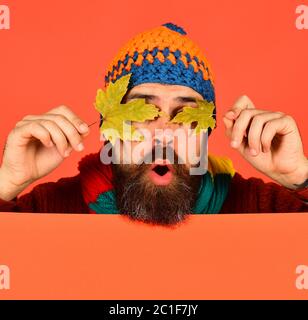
181, 99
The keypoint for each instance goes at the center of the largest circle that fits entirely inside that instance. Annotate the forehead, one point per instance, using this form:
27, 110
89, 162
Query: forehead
164, 90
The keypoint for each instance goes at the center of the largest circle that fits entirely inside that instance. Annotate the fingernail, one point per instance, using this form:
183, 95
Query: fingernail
253, 152
234, 144
84, 128
67, 152
80, 147
231, 114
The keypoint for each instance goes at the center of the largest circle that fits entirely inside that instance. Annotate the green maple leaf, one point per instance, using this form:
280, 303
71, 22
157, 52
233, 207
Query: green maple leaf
203, 115
115, 114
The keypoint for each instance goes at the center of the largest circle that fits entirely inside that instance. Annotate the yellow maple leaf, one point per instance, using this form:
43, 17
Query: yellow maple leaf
117, 116
203, 115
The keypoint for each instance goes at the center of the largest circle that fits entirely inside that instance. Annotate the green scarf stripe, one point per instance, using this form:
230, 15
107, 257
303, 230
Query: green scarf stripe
105, 203
212, 193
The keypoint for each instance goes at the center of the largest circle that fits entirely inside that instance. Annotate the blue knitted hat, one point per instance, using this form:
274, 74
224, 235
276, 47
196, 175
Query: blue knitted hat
163, 55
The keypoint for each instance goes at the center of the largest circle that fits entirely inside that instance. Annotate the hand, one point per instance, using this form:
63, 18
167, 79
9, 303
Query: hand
36, 146
270, 141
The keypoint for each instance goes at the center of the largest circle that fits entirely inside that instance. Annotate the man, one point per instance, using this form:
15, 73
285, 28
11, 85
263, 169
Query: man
169, 71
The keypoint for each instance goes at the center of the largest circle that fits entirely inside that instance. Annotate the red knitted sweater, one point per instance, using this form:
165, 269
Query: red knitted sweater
71, 195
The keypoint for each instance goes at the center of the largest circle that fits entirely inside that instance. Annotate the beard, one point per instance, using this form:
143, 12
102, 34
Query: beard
140, 199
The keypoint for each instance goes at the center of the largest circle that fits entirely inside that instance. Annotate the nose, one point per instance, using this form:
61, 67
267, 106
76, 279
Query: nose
163, 131
163, 122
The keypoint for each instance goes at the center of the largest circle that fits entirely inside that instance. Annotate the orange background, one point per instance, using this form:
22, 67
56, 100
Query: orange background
57, 51
107, 257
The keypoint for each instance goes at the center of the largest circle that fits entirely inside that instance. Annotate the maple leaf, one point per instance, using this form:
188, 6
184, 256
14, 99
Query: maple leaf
203, 115
117, 115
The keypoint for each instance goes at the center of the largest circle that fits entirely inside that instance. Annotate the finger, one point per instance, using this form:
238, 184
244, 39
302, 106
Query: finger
70, 131
255, 130
229, 125
283, 126
57, 136
33, 130
239, 105
241, 125
102, 137
79, 124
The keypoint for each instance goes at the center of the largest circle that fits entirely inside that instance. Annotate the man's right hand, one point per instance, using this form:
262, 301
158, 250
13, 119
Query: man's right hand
36, 146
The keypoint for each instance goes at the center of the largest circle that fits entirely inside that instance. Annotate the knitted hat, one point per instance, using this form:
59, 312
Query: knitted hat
163, 55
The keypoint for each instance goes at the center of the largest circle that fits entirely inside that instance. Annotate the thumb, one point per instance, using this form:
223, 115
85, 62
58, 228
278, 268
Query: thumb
239, 105
228, 125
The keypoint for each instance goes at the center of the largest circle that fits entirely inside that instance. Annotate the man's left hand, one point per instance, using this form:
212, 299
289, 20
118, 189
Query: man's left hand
270, 141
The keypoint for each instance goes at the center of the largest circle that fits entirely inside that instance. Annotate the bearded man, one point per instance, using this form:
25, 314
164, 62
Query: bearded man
167, 70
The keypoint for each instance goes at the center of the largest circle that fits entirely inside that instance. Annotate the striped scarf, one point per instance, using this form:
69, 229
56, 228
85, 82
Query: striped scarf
99, 193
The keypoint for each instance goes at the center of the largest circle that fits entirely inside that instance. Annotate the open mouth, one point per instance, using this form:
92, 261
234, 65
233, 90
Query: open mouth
161, 169
161, 174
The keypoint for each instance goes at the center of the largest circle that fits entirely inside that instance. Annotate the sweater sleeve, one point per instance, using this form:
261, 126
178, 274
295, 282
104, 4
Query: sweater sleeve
63, 196
255, 196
